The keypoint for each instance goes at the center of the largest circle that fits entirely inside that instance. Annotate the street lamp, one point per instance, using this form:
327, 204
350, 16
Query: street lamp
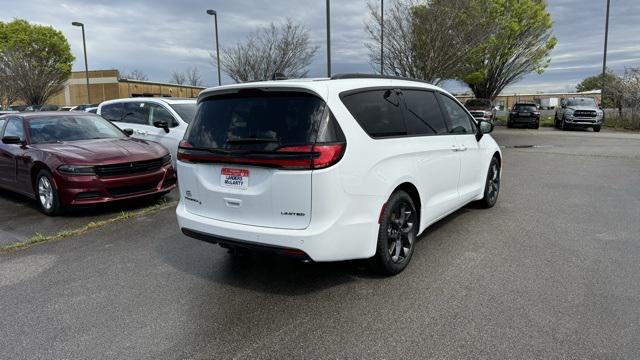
604, 60
328, 38
215, 17
86, 66
381, 37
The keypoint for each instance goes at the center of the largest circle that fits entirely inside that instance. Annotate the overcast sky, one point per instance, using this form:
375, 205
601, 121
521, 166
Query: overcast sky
160, 36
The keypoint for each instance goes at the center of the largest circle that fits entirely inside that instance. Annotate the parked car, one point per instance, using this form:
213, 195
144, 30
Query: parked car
93, 110
481, 109
579, 112
524, 114
45, 107
164, 120
66, 108
83, 107
18, 108
65, 159
325, 170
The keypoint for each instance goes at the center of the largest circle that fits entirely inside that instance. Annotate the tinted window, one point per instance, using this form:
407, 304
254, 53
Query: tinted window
378, 112
423, 113
2, 121
460, 122
525, 107
186, 111
257, 121
112, 112
14, 128
136, 113
158, 113
51, 129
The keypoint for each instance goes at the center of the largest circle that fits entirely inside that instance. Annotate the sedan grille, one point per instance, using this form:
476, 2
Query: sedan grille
584, 113
133, 189
129, 168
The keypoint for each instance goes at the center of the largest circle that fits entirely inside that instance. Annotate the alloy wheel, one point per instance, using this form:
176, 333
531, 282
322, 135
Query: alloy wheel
400, 234
493, 185
45, 193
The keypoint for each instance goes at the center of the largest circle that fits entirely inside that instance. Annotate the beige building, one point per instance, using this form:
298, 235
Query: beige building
106, 85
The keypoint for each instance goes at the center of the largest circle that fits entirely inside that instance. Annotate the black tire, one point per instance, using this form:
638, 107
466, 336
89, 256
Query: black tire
563, 124
47, 194
509, 125
492, 185
596, 128
536, 126
397, 235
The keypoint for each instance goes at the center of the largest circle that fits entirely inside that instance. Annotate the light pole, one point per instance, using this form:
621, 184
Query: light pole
604, 59
215, 17
381, 37
328, 39
86, 66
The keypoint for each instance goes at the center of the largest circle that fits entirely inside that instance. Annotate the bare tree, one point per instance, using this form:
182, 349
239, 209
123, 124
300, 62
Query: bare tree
8, 93
193, 77
423, 39
33, 80
282, 49
178, 77
631, 96
136, 74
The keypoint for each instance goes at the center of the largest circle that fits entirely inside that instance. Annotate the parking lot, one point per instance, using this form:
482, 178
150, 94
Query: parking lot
551, 271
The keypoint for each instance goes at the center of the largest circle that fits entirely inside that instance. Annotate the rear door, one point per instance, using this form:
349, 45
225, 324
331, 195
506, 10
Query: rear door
246, 157
136, 116
169, 139
439, 162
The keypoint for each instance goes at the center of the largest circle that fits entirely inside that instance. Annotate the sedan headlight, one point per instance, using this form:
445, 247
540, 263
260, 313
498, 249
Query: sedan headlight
77, 169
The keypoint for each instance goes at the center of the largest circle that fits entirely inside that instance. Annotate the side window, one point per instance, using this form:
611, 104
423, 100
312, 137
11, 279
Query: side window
14, 128
136, 113
423, 113
159, 113
378, 112
460, 122
112, 112
2, 121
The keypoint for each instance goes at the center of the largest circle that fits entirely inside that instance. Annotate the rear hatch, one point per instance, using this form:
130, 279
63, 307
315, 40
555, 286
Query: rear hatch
248, 156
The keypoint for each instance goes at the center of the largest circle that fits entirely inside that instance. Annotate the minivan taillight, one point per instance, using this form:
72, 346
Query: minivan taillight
322, 156
305, 157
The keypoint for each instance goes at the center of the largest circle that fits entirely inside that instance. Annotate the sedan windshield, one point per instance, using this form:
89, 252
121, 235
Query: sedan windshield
186, 111
52, 129
581, 102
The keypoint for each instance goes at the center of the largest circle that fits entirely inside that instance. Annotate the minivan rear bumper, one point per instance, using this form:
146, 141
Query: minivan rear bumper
340, 238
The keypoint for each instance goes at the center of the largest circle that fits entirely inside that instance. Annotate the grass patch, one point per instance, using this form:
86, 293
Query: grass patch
39, 238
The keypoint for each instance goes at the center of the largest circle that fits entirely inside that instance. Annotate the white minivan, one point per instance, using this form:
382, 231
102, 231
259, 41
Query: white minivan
350, 167
162, 120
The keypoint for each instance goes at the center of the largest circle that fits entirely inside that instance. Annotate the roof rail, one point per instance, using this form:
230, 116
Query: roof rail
374, 76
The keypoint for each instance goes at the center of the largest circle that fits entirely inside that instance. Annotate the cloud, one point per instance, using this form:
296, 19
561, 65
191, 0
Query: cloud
162, 36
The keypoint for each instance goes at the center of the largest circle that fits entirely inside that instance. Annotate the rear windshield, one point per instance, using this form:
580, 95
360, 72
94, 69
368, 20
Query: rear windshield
525, 107
478, 103
262, 121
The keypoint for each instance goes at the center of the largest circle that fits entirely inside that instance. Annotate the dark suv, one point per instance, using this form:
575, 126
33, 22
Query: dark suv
524, 114
481, 109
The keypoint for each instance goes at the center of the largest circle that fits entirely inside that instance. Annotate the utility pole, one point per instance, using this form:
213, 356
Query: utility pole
328, 39
215, 16
381, 37
86, 66
604, 60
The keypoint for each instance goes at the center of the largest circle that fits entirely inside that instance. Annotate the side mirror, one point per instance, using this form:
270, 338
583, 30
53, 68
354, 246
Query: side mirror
162, 125
12, 140
484, 127
128, 131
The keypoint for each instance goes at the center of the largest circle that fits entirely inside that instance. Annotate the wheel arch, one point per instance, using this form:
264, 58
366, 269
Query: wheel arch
35, 169
414, 194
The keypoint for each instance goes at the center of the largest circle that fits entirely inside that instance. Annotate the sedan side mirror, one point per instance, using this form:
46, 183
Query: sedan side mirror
162, 125
128, 131
12, 140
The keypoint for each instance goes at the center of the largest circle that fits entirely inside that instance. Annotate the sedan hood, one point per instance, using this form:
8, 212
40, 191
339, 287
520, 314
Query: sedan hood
104, 151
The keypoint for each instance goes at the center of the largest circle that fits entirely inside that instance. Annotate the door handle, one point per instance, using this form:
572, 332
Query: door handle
463, 148
140, 132
455, 147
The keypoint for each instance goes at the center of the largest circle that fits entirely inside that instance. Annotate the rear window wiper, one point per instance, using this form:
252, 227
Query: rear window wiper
251, 140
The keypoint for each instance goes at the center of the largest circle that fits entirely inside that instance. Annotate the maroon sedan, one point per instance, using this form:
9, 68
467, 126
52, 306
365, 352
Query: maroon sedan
77, 158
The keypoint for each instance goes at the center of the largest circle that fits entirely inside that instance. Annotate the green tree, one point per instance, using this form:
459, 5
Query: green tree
519, 44
613, 88
36, 59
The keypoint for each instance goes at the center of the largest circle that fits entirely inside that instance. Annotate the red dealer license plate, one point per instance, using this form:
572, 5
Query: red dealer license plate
234, 178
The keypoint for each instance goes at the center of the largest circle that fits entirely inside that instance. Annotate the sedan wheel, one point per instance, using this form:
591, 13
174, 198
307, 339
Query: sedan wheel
492, 187
397, 234
47, 194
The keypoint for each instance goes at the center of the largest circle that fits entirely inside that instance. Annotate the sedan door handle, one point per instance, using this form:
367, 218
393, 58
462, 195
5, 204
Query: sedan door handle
455, 147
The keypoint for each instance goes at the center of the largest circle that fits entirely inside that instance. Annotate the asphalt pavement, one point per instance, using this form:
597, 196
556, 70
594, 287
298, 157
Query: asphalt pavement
551, 271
